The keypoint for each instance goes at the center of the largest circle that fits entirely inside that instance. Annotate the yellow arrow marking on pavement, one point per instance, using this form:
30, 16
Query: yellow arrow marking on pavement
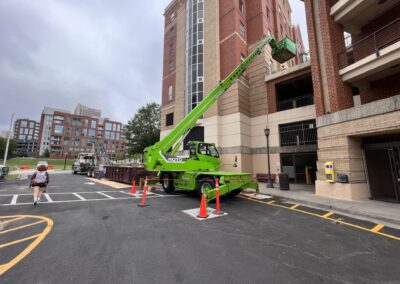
37, 238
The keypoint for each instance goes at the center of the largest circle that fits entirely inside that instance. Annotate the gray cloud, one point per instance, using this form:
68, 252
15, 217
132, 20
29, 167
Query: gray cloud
105, 54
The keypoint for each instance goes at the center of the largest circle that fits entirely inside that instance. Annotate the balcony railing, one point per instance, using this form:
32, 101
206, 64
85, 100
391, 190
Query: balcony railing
299, 133
371, 44
295, 102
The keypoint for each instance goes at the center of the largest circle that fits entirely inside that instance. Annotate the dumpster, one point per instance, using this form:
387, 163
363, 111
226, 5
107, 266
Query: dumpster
128, 174
284, 182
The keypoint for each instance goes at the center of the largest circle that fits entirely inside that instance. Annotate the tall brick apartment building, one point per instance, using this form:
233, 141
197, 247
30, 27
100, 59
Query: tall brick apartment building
203, 42
26, 134
63, 133
356, 82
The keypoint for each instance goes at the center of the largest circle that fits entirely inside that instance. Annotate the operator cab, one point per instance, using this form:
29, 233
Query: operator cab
198, 149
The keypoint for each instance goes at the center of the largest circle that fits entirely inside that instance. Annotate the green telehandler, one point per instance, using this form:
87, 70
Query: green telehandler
199, 171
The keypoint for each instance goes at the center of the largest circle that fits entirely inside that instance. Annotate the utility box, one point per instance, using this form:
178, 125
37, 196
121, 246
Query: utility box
329, 172
284, 182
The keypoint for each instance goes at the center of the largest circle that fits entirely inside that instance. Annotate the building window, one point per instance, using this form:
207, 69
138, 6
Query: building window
58, 129
24, 123
298, 133
169, 119
108, 126
170, 92
93, 124
242, 29
172, 17
171, 48
171, 33
194, 55
171, 66
241, 6
267, 12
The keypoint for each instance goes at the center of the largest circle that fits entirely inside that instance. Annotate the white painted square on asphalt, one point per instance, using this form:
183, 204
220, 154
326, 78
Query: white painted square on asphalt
194, 212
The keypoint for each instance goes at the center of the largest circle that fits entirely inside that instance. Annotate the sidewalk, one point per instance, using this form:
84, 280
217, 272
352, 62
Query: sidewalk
376, 211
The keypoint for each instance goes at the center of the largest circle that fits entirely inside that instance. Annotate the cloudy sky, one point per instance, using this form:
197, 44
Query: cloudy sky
105, 54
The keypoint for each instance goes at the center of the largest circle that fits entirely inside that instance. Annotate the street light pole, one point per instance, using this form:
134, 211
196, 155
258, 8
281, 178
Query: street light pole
8, 140
266, 132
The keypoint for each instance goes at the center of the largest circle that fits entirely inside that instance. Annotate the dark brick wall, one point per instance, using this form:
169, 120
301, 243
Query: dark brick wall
339, 92
381, 89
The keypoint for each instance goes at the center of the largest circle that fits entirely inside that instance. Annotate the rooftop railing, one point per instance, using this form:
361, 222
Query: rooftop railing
371, 44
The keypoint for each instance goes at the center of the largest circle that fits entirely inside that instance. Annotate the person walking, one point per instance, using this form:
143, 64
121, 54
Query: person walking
39, 181
101, 170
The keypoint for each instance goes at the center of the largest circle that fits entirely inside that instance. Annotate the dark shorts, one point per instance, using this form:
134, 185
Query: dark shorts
41, 185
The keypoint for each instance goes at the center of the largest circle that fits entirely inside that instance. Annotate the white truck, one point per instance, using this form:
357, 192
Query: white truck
3, 171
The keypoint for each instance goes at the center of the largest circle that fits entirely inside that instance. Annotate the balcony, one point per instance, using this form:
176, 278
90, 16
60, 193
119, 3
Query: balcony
374, 57
354, 14
295, 102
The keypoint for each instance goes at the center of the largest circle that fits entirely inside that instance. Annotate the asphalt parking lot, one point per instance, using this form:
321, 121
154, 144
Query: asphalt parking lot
106, 238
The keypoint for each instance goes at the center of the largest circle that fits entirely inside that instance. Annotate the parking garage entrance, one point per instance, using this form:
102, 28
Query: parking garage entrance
382, 160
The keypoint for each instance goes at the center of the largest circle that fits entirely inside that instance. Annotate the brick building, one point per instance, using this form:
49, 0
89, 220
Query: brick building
64, 133
26, 134
356, 82
203, 42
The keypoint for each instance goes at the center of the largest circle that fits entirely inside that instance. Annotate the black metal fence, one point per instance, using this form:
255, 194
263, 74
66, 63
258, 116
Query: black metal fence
371, 44
298, 133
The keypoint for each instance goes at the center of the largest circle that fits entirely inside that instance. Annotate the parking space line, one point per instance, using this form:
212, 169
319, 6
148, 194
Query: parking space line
106, 195
14, 199
377, 228
21, 227
79, 196
374, 230
269, 202
127, 193
294, 206
48, 197
19, 241
328, 214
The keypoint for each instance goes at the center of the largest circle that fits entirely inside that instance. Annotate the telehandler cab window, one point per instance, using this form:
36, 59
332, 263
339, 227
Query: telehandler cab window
209, 150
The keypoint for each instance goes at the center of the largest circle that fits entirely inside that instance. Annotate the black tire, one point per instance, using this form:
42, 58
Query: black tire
204, 183
234, 193
167, 183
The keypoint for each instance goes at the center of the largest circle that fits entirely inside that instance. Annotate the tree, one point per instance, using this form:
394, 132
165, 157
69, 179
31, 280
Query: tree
143, 129
46, 153
11, 148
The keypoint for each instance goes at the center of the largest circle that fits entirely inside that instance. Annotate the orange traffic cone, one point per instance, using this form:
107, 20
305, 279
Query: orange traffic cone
203, 210
143, 203
133, 191
218, 205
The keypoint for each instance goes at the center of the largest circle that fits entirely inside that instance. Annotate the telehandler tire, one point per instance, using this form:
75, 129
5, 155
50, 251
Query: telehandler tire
205, 183
167, 183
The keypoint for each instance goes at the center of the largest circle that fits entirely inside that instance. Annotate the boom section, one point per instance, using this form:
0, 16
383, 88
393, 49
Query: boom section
190, 120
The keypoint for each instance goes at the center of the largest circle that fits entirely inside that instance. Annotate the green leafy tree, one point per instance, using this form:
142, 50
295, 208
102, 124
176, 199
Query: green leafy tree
46, 153
143, 129
11, 148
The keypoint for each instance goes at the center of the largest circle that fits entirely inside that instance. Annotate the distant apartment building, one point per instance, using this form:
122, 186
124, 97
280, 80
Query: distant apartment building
68, 134
87, 111
203, 42
26, 134
356, 82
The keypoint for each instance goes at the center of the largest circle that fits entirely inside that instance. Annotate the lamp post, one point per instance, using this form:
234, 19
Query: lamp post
266, 132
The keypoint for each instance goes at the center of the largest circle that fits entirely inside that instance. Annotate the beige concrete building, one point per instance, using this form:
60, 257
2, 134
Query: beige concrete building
356, 83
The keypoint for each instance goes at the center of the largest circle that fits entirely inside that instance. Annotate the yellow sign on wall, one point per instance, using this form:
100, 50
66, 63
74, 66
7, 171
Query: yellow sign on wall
329, 172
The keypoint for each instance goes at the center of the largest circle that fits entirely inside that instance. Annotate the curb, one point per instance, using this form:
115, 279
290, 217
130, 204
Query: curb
355, 214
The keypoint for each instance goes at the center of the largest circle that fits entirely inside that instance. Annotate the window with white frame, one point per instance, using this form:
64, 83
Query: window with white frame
170, 92
242, 29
